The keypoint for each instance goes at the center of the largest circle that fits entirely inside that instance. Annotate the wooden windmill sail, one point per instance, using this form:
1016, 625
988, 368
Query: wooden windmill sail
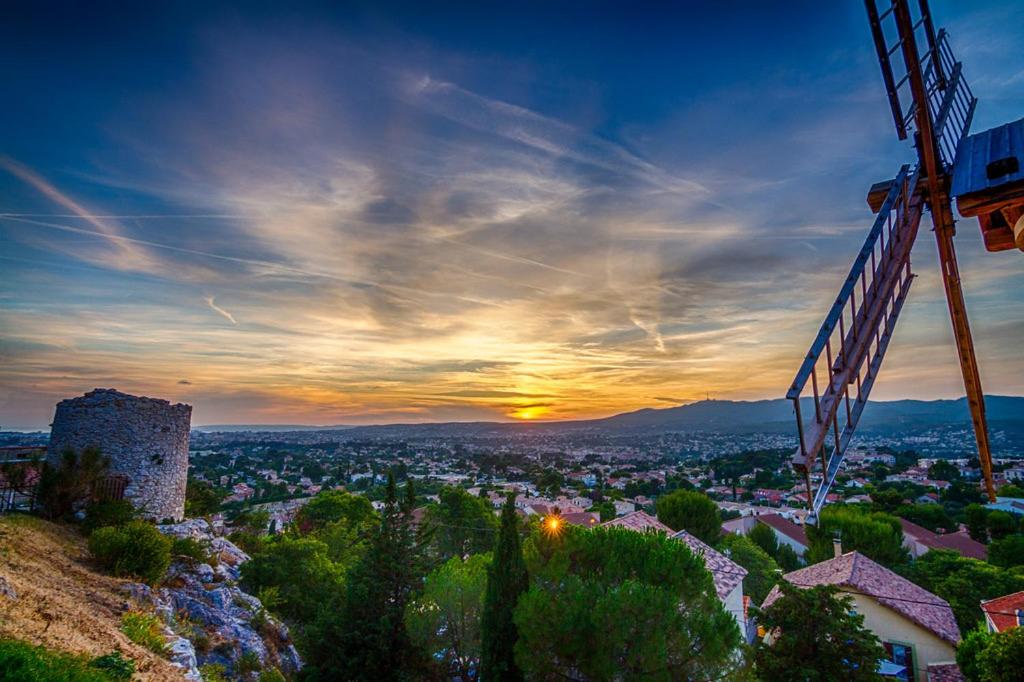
932, 103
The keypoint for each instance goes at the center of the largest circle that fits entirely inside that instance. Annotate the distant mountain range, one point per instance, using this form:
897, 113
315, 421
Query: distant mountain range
725, 416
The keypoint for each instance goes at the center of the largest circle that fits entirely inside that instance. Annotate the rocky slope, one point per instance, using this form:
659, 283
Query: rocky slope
51, 594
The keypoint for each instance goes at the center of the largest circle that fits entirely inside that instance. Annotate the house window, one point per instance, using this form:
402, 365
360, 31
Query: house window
1020, 617
901, 654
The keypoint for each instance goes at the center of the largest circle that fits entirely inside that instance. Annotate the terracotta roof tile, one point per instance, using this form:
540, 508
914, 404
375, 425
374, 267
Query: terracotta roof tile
1002, 610
860, 574
959, 542
639, 521
945, 672
786, 527
725, 572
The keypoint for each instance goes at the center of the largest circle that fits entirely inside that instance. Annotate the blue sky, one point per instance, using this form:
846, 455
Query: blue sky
366, 212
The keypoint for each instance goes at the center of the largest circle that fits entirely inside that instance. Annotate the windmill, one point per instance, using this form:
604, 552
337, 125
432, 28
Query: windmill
932, 102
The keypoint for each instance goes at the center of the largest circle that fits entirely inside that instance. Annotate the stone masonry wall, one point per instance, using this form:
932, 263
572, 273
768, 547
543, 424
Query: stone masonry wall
146, 440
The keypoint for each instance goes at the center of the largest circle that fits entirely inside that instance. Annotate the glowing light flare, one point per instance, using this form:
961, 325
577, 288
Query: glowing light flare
553, 525
529, 412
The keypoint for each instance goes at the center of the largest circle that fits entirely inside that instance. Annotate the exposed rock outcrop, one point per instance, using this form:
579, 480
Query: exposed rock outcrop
209, 619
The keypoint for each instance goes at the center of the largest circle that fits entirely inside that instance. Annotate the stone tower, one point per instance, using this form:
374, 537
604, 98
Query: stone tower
146, 440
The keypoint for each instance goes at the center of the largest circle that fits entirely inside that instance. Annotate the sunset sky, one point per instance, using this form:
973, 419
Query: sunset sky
362, 212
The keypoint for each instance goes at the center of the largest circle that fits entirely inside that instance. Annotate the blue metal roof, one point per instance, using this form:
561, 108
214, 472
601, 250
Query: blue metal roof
978, 150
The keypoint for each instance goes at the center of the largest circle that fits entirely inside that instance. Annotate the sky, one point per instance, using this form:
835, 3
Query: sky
350, 213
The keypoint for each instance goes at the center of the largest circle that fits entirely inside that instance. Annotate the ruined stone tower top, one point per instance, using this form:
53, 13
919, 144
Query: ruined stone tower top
146, 440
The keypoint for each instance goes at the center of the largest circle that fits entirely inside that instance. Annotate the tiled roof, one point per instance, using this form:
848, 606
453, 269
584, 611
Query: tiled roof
586, 519
639, 521
786, 527
959, 542
725, 572
1002, 610
945, 672
861, 575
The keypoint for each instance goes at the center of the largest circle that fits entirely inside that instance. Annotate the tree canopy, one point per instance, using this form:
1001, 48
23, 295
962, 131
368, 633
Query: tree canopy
762, 570
611, 603
461, 524
963, 582
815, 636
444, 619
694, 512
874, 534
992, 657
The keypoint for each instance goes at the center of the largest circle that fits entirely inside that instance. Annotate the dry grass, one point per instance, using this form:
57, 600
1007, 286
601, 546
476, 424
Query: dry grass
63, 602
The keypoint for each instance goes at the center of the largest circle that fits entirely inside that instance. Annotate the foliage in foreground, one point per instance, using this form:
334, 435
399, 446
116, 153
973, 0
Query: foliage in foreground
963, 582
362, 636
992, 657
611, 603
136, 549
762, 571
507, 580
23, 662
816, 638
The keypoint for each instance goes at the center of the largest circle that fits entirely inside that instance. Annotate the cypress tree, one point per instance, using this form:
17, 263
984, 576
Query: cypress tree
506, 580
371, 639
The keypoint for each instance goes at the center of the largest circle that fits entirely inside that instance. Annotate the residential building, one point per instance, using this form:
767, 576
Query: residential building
917, 628
1003, 613
919, 540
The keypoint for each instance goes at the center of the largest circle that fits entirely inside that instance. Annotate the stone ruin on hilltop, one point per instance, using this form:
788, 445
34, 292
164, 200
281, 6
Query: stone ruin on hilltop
146, 440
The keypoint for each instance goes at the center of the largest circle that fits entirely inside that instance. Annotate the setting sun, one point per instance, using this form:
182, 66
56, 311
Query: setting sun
529, 413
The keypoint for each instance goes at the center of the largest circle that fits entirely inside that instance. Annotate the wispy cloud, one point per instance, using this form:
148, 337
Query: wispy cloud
220, 311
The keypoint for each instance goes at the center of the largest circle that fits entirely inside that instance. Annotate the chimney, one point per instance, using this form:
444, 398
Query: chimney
837, 546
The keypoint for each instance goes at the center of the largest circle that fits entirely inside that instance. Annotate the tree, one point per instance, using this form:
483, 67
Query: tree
1007, 552
461, 524
445, 620
1011, 490
976, 517
887, 500
1003, 659
201, 498
762, 570
1000, 524
764, 537
874, 534
611, 603
301, 571
815, 636
331, 506
65, 488
967, 652
507, 579
694, 512
962, 582
930, 516
364, 637
605, 509
943, 471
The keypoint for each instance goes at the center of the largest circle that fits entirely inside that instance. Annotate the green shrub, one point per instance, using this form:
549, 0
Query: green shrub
107, 513
22, 662
213, 672
64, 489
248, 662
190, 548
116, 666
136, 549
145, 630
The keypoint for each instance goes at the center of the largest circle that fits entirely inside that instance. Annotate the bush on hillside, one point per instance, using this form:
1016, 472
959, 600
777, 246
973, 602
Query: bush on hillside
116, 666
136, 549
145, 630
192, 549
107, 513
23, 662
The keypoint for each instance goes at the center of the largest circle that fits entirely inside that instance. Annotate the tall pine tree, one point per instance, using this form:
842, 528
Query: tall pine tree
506, 580
369, 636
